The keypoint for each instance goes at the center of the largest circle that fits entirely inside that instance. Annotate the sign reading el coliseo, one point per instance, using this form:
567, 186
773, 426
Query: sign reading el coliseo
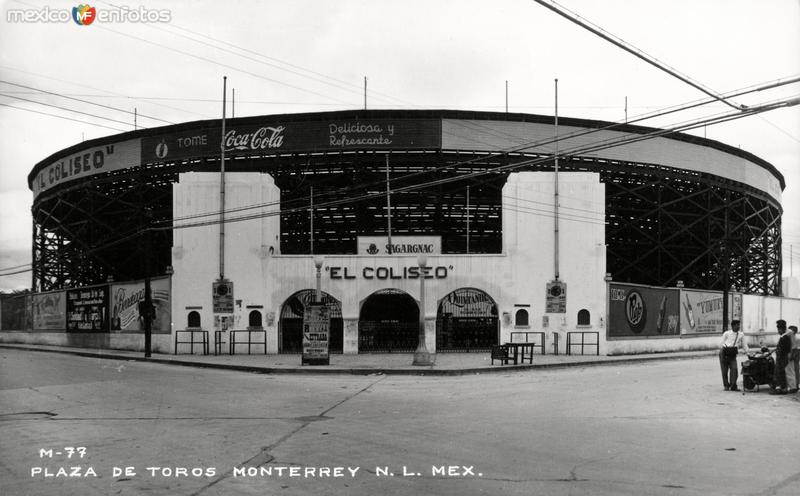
279, 137
87, 162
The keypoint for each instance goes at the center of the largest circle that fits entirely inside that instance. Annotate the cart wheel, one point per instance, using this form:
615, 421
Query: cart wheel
748, 383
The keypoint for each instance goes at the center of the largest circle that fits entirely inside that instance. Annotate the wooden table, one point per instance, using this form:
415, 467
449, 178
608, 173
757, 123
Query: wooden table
519, 351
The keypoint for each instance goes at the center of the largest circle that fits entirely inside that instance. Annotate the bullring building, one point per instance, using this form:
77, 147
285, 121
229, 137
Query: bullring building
471, 202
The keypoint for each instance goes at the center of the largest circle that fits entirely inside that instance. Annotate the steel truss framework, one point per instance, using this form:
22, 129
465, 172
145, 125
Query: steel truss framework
663, 225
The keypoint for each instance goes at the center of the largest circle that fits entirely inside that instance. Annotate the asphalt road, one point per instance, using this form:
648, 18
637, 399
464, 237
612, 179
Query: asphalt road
664, 427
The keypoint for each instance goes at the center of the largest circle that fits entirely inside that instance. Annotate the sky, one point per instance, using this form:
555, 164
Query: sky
308, 56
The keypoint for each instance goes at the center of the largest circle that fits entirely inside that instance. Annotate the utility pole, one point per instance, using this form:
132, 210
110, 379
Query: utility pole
222, 186
726, 269
388, 208
147, 313
311, 220
555, 202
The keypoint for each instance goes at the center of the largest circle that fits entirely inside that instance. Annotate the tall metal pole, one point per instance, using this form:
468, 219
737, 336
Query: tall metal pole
222, 185
147, 315
311, 220
388, 207
626, 110
134, 119
555, 234
726, 269
467, 219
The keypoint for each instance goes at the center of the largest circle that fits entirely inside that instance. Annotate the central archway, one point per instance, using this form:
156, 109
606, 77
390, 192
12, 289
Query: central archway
389, 321
290, 334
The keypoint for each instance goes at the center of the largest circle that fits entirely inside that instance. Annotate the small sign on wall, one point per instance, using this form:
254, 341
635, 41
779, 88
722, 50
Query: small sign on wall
556, 301
222, 296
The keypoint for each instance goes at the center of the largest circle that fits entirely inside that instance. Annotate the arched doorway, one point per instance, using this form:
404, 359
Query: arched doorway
466, 321
290, 326
389, 321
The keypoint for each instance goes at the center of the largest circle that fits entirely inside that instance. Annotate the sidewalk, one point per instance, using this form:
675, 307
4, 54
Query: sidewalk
377, 363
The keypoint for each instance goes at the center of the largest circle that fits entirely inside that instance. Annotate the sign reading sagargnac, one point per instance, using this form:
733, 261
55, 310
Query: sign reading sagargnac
400, 245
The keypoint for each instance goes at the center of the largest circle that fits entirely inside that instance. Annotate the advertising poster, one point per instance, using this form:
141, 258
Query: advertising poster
15, 314
701, 311
87, 309
643, 311
556, 300
125, 299
222, 296
50, 311
316, 334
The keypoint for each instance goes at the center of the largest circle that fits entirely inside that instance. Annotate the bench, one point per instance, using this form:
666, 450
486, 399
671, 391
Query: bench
503, 353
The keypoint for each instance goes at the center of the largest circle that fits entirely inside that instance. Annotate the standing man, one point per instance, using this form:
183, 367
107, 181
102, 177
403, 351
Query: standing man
732, 339
792, 369
781, 359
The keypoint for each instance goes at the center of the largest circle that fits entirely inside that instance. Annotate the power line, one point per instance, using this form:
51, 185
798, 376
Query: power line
84, 101
205, 59
62, 117
65, 109
547, 141
619, 42
110, 94
598, 146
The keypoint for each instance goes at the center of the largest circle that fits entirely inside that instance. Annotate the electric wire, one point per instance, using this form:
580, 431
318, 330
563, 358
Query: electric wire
85, 101
68, 109
547, 141
61, 117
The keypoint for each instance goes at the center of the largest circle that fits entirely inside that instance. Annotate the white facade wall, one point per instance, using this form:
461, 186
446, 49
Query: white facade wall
248, 244
518, 276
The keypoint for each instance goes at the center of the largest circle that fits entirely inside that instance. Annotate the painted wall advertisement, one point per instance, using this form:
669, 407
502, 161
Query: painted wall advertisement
270, 136
50, 311
316, 334
125, 299
701, 312
87, 309
643, 311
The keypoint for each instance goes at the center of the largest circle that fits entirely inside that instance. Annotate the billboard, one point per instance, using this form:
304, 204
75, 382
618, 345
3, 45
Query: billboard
701, 311
15, 312
316, 334
87, 309
87, 162
643, 311
125, 299
276, 136
50, 311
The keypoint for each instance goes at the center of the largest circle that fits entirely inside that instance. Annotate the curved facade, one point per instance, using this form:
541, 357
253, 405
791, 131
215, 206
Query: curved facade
677, 207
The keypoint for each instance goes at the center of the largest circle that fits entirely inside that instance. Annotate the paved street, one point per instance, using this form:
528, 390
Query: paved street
663, 427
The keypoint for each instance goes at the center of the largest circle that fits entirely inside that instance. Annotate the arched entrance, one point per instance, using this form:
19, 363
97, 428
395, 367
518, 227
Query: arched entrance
466, 321
389, 321
290, 326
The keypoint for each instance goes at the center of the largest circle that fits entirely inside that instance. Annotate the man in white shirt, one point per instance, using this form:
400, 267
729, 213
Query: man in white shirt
732, 339
794, 358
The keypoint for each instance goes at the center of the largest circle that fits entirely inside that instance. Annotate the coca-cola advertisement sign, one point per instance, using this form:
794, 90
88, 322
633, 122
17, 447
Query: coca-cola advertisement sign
642, 311
263, 138
276, 136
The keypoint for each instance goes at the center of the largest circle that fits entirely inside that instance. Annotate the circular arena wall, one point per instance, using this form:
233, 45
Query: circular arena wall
678, 207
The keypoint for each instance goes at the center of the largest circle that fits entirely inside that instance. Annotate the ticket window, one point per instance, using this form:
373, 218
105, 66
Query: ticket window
254, 320
193, 319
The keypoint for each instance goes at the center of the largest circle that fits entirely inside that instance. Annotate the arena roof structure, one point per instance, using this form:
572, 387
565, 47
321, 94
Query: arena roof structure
678, 207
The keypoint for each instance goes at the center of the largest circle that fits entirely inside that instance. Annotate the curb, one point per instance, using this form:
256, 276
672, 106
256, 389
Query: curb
361, 371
